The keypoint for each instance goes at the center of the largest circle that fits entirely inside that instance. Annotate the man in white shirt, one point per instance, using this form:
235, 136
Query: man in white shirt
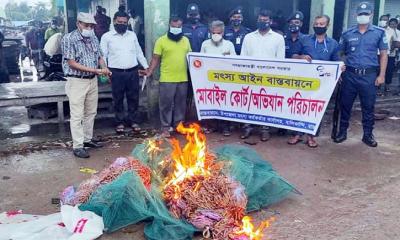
262, 43
393, 37
219, 46
123, 54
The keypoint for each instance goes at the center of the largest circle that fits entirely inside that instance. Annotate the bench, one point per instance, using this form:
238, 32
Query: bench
32, 93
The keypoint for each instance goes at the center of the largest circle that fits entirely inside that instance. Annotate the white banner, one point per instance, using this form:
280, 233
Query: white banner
290, 94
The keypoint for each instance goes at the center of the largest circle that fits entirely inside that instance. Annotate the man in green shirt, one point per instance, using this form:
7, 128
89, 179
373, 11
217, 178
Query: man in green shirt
51, 30
170, 50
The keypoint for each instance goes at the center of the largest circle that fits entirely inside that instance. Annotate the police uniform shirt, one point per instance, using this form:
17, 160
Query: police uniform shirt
236, 37
361, 49
292, 47
328, 50
196, 34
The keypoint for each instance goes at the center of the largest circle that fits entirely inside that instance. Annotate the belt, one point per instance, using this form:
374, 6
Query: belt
362, 71
123, 70
84, 77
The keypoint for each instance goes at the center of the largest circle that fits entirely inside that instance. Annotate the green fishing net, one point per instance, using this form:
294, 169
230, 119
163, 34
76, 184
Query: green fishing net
126, 201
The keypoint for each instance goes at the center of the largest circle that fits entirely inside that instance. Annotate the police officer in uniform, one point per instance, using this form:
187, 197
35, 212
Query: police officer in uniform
236, 32
194, 29
364, 71
293, 34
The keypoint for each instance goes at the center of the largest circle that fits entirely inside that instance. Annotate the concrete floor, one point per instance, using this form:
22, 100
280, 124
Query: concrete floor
350, 191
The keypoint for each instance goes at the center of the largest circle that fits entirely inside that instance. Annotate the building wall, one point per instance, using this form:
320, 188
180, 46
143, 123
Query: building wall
392, 7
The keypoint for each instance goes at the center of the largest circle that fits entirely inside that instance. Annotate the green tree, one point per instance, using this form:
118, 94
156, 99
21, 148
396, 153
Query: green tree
24, 12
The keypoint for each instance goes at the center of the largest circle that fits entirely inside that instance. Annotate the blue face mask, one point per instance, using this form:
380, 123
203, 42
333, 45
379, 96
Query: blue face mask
263, 26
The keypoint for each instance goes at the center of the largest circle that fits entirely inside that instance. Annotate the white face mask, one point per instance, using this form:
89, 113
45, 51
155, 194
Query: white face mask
87, 33
216, 38
175, 30
382, 23
363, 19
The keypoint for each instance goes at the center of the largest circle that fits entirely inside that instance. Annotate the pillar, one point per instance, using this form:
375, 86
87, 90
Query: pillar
156, 22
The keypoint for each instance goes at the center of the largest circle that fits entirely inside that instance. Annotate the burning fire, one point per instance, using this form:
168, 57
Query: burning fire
248, 230
191, 160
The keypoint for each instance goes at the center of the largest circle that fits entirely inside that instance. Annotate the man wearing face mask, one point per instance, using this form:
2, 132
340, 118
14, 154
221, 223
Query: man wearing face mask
170, 50
51, 30
262, 43
194, 30
82, 61
317, 46
393, 36
123, 54
219, 46
293, 34
364, 71
103, 22
236, 32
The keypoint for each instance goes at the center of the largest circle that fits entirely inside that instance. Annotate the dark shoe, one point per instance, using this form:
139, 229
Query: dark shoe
282, 132
265, 136
246, 133
369, 140
341, 137
120, 129
92, 144
81, 153
226, 132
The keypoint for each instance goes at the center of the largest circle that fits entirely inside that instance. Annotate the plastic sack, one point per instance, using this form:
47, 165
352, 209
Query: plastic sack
53, 45
69, 224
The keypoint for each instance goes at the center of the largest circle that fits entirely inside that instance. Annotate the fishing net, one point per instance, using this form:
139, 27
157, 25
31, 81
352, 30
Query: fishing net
128, 198
126, 201
262, 183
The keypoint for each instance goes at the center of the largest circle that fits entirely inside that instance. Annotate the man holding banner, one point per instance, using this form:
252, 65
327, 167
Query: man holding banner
364, 71
262, 43
317, 46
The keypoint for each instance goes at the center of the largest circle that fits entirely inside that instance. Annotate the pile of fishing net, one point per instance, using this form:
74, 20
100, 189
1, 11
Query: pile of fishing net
146, 187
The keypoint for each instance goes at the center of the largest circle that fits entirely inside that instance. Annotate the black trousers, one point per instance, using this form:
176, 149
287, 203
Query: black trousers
125, 84
390, 70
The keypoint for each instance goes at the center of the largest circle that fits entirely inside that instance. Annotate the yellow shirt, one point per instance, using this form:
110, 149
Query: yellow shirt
173, 59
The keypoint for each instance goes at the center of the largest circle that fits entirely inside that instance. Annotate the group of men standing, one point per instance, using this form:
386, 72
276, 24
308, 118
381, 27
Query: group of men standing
119, 56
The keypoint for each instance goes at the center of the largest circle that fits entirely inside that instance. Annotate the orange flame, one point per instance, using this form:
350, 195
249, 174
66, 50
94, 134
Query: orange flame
190, 160
248, 229
153, 146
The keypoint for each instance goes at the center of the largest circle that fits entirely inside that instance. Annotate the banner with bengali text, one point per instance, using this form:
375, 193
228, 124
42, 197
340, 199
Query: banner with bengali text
288, 93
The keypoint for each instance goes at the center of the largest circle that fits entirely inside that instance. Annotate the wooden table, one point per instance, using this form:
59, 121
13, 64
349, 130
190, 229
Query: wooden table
31, 93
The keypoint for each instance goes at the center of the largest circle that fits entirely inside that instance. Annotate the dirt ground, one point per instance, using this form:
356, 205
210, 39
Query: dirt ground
350, 191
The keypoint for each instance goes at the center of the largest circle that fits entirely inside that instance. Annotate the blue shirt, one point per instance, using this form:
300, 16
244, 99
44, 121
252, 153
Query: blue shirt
292, 47
197, 34
85, 51
236, 37
361, 50
328, 50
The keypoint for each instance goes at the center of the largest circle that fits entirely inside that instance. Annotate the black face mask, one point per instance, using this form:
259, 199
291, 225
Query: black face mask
120, 28
320, 30
175, 37
263, 26
236, 22
194, 20
294, 28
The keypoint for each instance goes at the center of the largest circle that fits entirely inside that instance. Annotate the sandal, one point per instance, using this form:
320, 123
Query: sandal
120, 129
311, 143
136, 127
294, 140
